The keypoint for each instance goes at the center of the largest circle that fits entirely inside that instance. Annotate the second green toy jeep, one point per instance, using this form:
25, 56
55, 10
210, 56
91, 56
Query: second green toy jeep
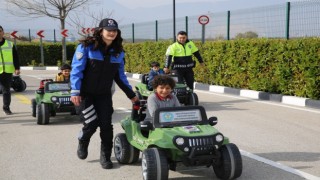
176, 136
184, 94
50, 98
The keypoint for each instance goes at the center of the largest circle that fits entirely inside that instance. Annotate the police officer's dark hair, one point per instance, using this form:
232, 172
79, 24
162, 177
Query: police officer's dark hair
163, 79
182, 33
96, 39
65, 66
1, 27
153, 64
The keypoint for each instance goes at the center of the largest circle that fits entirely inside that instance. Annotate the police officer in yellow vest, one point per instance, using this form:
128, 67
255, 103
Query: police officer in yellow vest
179, 58
9, 64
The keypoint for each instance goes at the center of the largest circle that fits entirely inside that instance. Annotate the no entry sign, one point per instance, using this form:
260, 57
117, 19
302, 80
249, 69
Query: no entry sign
203, 19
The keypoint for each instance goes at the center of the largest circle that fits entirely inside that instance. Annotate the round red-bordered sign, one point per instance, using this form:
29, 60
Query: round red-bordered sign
203, 19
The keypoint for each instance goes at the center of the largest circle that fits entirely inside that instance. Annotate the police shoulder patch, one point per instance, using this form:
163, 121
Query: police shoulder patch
79, 55
190, 46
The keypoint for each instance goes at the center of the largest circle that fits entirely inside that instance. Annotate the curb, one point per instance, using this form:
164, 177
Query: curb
259, 95
39, 68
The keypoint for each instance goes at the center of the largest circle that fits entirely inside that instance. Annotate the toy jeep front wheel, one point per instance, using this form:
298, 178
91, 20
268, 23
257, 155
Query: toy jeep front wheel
124, 152
43, 113
154, 165
230, 165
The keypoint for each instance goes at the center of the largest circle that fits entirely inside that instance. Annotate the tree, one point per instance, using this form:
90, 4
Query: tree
58, 9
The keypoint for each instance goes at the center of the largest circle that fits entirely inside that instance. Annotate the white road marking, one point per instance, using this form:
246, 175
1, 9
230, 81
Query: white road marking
279, 165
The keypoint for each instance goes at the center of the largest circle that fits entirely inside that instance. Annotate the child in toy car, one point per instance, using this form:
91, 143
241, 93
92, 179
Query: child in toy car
162, 97
154, 71
64, 75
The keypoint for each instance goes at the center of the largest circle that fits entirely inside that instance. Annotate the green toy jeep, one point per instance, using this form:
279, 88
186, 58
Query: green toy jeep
51, 97
185, 95
176, 136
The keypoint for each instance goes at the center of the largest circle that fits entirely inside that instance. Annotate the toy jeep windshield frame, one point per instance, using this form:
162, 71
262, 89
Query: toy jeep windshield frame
180, 116
56, 86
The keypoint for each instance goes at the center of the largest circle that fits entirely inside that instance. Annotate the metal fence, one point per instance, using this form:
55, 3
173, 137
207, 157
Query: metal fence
288, 20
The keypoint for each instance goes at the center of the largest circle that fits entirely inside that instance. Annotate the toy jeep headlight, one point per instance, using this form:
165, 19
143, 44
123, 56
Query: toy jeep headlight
179, 141
54, 99
219, 138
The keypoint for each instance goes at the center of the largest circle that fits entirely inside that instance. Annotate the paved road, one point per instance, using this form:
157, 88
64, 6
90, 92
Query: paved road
276, 141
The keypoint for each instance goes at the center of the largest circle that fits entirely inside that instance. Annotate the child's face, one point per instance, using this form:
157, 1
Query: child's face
66, 72
156, 68
163, 90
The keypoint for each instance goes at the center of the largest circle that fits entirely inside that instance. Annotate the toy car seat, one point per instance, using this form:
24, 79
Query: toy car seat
145, 79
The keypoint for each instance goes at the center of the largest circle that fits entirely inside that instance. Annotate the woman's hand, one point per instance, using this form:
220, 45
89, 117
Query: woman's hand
76, 100
134, 99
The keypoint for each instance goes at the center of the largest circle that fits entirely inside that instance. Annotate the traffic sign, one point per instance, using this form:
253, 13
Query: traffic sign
84, 30
88, 30
203, 19
64, 33
13, 34
39, 33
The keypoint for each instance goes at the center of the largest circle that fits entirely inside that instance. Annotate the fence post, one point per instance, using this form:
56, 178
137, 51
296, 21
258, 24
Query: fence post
54, 36
132, 32
29, 35
187, 24
287, 20
228, 26
156, 30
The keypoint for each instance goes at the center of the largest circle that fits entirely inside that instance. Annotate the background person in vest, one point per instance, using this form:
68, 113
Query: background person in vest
9, 64
179, 58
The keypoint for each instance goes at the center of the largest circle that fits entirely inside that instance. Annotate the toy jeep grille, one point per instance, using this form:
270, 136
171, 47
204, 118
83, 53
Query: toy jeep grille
64, 100
203, 141
198, 145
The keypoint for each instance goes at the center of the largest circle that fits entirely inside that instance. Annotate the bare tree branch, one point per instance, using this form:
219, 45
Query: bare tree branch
58, 9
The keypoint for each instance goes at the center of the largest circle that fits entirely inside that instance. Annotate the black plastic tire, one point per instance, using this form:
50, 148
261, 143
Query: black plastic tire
33, 108
20, 87
230, 166
0, 89
154, 165
193, 99
42, 114
124, 152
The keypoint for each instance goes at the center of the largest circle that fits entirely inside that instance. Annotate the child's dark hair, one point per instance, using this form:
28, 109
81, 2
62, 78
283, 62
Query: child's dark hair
65, 66
163, 79
153, 64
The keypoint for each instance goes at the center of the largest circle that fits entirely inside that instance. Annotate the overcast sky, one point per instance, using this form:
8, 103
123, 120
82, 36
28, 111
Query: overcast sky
130, 11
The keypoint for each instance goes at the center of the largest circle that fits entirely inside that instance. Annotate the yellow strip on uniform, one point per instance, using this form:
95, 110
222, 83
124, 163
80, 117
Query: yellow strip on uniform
23, 99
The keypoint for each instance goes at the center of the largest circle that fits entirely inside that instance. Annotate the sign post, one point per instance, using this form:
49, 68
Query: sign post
203, 20
64, 34
39, 33
13, 34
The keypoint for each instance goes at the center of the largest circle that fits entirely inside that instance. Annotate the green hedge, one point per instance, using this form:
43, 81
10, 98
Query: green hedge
30, 53
289, 67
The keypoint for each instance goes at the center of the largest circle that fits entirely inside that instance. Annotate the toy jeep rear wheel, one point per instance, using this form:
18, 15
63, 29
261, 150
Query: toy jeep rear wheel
154, 165
230, 166
193, 99
33, 107
43, 113
124, 152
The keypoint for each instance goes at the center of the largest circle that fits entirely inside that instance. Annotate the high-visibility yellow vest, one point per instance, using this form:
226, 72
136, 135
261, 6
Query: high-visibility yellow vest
182, 55
6, 57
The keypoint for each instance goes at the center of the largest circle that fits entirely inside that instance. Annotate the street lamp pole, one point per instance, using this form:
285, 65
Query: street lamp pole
174, 20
